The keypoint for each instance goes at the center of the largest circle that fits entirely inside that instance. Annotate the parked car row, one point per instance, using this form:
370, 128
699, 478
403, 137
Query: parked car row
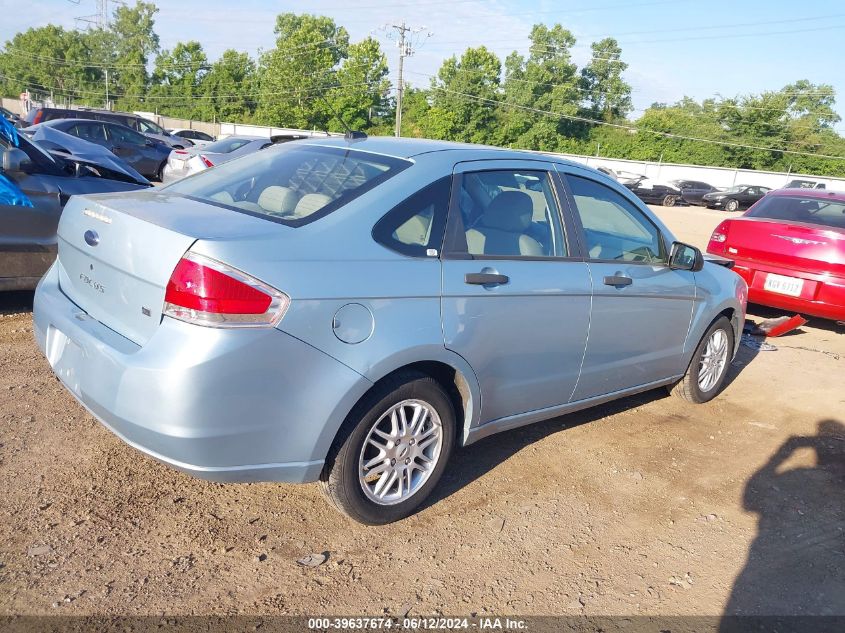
145, 155
135, 122
37, 177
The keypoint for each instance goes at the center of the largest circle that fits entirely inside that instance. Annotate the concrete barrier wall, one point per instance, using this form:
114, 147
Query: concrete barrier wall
716, 176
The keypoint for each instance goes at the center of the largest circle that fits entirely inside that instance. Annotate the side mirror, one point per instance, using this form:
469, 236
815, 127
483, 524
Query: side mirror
685, 257
16, 160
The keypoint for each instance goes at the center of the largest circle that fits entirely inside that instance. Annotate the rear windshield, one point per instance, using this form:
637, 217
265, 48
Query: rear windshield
797, 209
226, 145
294, 183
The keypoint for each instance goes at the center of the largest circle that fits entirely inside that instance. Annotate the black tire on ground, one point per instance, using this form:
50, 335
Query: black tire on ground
340, 479
160, 172
689, 388
731, 205
669, 201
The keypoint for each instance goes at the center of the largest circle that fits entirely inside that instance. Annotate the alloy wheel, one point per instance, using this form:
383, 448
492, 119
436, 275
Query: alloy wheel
400, 452
713, 360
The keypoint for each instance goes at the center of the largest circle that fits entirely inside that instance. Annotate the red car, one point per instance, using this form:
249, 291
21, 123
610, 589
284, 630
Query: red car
790, 249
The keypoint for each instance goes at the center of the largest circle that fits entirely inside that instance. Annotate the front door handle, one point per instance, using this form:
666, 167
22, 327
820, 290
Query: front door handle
486, 279
617, 280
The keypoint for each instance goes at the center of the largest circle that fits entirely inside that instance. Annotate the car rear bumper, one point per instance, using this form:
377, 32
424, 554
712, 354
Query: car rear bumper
224, 405
169, 174
821, 295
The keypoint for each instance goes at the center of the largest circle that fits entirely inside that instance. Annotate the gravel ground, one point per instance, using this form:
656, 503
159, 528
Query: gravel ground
648, 505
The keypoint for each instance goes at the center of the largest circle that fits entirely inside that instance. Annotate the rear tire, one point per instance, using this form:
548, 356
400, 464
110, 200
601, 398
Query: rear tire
160, 173
391, 450
731, 205
709, 365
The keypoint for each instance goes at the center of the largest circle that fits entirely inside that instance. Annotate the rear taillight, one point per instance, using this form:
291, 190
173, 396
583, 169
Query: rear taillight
38, 116
204, 291
205, 161
719, 237
179, 151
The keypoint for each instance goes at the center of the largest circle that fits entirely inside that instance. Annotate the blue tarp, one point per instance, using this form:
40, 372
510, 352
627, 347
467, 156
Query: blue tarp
10, 193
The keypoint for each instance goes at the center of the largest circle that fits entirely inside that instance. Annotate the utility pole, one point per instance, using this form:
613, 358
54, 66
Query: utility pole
107, 89
404, 37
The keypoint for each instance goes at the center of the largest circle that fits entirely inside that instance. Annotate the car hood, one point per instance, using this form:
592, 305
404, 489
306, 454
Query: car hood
82, 151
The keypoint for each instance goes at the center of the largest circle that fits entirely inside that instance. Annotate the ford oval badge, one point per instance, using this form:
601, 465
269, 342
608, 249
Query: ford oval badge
91, 238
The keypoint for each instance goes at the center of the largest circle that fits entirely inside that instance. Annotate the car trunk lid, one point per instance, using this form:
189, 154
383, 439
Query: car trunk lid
116, 252
802, 246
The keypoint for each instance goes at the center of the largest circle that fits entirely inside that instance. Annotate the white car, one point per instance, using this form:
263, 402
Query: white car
184, 162
199, 139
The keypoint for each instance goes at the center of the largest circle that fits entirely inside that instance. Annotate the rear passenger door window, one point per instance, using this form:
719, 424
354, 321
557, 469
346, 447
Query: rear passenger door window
508, 213
614, 228
415, 226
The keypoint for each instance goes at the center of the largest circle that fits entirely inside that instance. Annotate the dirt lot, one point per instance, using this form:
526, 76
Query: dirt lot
645, 506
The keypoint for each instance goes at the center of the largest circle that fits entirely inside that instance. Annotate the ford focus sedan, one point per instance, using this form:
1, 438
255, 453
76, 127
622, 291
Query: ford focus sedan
350, 312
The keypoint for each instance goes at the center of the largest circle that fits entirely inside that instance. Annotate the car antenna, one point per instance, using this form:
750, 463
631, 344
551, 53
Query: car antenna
350, 134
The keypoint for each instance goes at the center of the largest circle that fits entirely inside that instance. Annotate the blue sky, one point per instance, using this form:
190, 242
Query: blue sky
674, 47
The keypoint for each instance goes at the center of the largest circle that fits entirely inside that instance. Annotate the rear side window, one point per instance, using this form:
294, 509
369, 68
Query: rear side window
830, 213
417, 224
294, 183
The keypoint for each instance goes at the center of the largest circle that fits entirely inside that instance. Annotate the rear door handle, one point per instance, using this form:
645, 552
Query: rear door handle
486, 279
617, 280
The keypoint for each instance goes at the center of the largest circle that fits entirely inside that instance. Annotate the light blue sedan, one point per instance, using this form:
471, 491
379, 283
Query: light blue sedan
351, 311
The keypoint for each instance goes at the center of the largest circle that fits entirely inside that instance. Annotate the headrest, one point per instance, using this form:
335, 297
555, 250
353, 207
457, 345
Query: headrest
310, 203
510, 211
278, 200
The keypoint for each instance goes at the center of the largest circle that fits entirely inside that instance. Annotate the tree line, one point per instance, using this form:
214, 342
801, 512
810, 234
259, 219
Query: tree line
316, 78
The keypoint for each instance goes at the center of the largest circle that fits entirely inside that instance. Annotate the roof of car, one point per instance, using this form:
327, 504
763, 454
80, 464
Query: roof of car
820, 194
410, 147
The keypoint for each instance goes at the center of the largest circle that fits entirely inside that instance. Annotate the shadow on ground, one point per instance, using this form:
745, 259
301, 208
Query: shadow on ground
796, 565
16, 301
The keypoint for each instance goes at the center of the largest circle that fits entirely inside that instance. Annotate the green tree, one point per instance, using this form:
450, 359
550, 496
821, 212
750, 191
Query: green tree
362, 85
544, 82
464, 97
52, 62
296, 74
177, 80
228, 89
606, 92
133, 42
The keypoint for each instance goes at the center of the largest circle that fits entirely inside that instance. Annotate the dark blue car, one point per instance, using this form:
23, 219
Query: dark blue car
145, 155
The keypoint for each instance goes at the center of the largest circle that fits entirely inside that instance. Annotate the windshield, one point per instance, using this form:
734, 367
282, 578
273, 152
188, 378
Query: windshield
227, 145
735, 189
292, 183
830, 213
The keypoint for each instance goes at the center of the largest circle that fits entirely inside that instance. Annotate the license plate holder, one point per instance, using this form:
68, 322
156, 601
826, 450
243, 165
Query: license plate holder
783, 285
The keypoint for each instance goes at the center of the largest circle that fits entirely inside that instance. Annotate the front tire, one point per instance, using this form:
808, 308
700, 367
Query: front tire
709, 366
731, 205
391, 451
669, 201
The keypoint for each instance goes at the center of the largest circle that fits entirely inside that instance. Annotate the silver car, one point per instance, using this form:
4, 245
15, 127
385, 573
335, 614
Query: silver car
184, 162
350, 312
